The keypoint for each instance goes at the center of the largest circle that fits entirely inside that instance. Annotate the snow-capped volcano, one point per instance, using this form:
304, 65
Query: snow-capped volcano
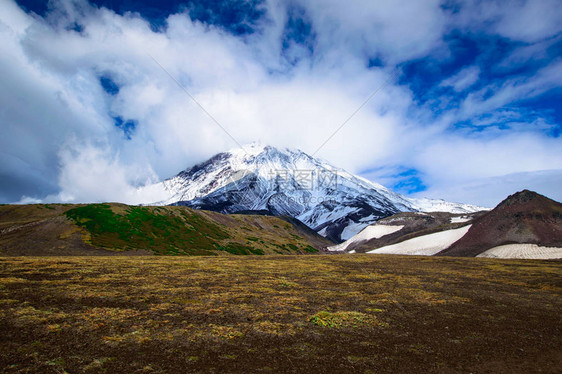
330, 200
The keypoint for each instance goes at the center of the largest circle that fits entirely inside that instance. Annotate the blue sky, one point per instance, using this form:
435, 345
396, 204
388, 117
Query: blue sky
472, 111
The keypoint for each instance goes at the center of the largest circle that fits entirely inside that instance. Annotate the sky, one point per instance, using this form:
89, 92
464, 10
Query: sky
464, 97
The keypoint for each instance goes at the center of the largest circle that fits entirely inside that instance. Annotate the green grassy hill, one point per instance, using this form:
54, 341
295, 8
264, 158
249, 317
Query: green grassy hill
62, 229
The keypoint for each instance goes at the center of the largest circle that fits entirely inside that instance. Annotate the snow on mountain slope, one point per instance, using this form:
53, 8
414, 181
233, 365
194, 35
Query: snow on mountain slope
430, 205
460, 219
523, 251
330, 200
426, 245
370, 232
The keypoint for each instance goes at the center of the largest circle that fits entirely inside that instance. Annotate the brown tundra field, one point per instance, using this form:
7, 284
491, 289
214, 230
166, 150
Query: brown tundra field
280, 314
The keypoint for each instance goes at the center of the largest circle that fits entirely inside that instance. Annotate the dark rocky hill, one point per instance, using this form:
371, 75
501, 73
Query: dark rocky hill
524, 217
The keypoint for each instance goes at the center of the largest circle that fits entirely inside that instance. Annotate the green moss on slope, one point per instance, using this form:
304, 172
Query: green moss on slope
181, 231
157, 230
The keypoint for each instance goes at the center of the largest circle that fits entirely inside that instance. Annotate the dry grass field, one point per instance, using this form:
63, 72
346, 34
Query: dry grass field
272, 314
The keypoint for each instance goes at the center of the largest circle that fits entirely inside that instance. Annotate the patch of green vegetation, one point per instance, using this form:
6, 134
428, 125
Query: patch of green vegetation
157, 230
47, 206
253, 238
340, 319
292, 246
288, 247
205, 227
239, 249
59, 361
310, 249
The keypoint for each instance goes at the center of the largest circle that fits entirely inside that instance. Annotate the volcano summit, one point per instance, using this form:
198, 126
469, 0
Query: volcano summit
267, 180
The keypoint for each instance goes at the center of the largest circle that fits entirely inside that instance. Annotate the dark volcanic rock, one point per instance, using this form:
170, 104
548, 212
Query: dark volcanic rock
524, 217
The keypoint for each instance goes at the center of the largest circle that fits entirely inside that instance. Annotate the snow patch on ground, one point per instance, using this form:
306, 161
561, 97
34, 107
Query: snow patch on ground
523, 251
460, 219
426, 245
369, 232
352, 229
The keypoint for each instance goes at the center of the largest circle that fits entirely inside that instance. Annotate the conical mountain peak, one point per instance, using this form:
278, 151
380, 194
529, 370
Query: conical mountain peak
520, 197
284, 181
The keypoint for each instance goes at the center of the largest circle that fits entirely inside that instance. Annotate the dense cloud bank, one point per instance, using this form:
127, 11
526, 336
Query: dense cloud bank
470, 112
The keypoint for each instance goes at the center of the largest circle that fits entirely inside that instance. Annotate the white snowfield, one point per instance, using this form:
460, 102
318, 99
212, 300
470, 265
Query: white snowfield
460, 219
369, 232
523, 251
426, 245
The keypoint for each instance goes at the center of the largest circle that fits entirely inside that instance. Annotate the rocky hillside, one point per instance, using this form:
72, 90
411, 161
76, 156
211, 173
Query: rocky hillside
525, 217
107, 229
525, 225
401, 227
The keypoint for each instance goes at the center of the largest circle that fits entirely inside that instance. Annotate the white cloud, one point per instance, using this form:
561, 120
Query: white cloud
60, 139
220, 70
495, 95
530, 20
463, 79
484, 171
471, 158
530, 52
520, 20
28, 200
95, 174
491, 191
393, 31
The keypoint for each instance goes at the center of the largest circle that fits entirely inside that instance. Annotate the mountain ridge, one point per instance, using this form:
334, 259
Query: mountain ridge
524, 225
119, 229
330, 200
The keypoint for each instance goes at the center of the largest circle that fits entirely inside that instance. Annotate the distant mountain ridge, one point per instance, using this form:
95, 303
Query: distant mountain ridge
331, 201
524, 225
401, 227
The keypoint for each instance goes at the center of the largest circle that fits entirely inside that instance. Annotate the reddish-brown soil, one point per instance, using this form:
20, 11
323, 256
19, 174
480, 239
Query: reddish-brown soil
525, 217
